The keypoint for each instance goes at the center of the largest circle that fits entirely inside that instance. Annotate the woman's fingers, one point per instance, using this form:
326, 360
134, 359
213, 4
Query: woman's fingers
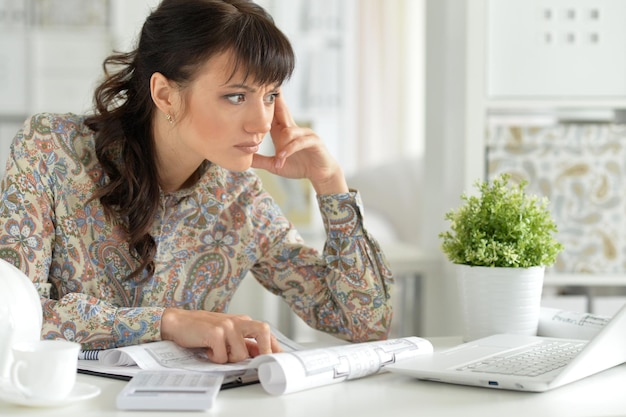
234, 344
227, 338
276, 348
284, 128
262, 334
282, 115
292, 140
300, 153
297, 139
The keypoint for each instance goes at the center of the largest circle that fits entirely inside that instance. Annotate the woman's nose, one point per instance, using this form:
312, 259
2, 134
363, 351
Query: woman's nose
259, 118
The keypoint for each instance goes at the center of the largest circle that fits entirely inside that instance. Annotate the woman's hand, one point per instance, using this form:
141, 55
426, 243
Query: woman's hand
227, 337
300, 153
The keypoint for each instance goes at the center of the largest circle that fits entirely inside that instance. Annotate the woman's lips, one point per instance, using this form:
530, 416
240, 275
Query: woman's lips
248, 147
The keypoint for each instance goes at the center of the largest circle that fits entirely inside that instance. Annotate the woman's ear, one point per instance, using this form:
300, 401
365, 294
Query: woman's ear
165, 94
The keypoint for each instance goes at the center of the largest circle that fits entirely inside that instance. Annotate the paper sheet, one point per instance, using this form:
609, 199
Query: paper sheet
568, 324
283, 373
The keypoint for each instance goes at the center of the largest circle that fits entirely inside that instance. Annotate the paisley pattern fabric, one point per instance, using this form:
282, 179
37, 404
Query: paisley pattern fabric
208, 236
581, 168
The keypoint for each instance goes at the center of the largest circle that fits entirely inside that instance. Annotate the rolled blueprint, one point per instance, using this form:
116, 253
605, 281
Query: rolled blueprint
569, 324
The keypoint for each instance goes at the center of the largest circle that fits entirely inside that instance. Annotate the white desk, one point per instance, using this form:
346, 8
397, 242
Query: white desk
379, 396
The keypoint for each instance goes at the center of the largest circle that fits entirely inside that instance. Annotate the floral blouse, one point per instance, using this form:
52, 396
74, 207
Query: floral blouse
209, 236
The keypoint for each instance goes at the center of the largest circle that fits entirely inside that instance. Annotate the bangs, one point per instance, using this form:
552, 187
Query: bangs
261, 51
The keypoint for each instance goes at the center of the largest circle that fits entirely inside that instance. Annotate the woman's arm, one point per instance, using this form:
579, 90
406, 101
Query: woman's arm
31, 211
344, 291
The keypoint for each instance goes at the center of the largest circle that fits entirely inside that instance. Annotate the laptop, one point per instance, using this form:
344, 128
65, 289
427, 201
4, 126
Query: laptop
497, 361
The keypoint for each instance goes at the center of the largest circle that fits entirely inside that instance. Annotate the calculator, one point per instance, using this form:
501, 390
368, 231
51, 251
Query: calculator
170, 390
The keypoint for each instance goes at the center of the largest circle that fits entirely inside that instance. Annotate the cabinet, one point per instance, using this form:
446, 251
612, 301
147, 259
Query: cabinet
546, 87
541, 57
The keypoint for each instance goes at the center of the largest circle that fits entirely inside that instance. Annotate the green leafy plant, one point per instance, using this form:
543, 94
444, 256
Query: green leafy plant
501, 227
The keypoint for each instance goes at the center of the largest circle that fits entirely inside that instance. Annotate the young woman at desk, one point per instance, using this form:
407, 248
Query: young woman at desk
138, 222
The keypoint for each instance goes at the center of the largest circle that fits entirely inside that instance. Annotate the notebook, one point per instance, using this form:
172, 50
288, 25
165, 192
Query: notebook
495, 361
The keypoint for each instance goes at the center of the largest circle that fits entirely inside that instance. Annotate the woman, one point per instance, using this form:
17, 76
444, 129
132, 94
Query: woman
138, 223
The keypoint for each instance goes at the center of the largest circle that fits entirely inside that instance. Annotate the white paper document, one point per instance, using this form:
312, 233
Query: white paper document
292, 370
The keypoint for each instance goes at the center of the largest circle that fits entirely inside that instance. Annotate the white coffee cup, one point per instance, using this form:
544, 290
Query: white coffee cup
45, 369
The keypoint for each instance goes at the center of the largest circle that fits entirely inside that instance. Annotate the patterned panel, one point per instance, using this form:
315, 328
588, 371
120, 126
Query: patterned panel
581, 168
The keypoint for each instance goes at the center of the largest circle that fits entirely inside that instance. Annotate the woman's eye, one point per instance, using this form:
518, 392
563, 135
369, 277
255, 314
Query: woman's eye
271, 98
236, 98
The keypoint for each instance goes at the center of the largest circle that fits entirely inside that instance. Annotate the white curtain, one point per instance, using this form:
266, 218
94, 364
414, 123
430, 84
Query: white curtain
390, 112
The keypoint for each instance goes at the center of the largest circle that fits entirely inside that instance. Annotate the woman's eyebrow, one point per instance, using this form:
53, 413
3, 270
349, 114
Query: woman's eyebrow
249, 87
242, 86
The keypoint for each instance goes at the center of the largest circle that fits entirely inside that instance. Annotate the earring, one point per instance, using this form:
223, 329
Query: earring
169, 118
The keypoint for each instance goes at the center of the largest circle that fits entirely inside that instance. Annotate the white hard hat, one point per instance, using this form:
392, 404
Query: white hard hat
21, 315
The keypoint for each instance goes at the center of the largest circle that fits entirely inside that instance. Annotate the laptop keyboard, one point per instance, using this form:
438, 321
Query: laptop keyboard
535, 360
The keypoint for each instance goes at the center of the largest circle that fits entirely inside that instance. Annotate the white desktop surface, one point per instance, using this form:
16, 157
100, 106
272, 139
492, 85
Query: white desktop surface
380, 395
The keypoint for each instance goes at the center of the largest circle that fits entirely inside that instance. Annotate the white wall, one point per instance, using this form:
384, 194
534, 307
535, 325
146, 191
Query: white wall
444, 144
127, 17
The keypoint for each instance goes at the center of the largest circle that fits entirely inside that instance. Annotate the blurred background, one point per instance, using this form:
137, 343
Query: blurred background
356, 61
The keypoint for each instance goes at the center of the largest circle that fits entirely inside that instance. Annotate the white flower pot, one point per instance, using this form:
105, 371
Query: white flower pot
499, 300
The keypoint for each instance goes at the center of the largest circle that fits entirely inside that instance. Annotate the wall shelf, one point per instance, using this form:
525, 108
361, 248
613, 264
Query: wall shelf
585, 280
558, 103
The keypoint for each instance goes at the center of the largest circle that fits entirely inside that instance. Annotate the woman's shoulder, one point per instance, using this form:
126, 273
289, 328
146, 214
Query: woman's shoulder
55, 121
56, 133
64, 127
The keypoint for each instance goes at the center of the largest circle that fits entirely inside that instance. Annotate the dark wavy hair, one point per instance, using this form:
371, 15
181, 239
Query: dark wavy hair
176, 40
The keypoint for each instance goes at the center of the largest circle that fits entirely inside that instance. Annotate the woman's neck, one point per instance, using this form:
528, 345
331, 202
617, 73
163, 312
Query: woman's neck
176, 170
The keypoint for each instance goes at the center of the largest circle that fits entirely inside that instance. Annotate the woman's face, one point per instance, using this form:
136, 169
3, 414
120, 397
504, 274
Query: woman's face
225, 117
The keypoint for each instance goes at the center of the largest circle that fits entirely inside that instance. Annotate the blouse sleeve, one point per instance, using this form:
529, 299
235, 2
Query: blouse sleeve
346, 290
27, 239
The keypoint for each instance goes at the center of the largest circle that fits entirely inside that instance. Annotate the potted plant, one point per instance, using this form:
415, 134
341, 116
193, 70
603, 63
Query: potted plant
501, 239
